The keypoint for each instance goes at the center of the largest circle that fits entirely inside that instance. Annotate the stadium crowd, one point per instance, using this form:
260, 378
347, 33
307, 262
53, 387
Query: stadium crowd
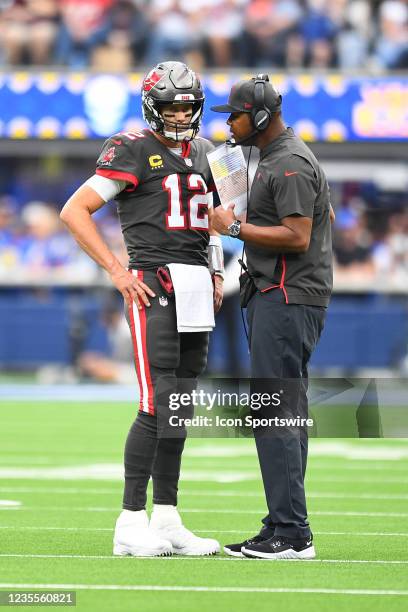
290, 34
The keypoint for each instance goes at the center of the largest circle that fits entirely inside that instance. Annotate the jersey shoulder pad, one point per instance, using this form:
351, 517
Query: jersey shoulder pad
120, 157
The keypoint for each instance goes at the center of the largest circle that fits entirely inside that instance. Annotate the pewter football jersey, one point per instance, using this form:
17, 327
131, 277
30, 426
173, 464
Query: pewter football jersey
163, 211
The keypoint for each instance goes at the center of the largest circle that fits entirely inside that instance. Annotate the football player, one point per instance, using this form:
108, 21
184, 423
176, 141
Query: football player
161, 181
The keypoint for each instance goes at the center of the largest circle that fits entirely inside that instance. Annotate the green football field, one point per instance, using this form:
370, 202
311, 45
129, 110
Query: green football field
60, 493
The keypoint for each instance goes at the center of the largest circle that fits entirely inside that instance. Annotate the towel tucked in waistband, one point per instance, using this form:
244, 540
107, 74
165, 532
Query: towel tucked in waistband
193, 291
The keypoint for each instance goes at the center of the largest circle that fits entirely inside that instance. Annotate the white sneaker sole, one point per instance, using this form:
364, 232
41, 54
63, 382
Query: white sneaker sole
120, 550
232, 553
191, 552
308, 553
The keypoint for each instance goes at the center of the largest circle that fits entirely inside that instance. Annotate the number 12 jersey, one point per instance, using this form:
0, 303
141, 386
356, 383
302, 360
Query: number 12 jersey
163, 210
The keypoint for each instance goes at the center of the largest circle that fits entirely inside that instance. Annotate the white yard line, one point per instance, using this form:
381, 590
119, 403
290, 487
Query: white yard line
381, 480
209, 559
110, 471
201, 589
310, 494
211, 531
204, 511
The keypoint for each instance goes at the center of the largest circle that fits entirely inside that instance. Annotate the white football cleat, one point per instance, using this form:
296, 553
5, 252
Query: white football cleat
134, 537
167, 524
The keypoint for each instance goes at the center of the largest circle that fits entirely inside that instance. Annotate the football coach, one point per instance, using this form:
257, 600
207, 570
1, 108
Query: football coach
286, 289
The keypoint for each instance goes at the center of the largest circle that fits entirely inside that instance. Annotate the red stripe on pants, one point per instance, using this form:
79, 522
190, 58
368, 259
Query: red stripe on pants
138, 326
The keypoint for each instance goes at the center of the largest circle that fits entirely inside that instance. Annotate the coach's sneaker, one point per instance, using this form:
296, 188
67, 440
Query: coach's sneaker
166, 523
134, 537
235, 550
280, 547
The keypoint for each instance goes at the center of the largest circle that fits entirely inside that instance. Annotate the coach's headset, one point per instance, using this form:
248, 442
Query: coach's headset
261, 115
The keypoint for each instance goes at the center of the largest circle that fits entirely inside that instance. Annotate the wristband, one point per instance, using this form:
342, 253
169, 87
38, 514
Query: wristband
216, 256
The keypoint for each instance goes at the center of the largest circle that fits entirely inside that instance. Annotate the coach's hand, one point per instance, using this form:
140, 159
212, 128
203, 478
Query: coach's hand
222, 219
218, 292
132, 289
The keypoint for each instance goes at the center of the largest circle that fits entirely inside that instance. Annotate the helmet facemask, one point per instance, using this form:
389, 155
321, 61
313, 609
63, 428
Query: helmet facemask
183, 131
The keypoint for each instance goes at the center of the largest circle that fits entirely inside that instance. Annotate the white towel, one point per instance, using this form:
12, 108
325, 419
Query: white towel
193, 290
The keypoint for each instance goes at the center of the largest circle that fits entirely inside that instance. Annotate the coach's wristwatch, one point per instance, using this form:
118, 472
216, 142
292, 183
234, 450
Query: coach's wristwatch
235, 228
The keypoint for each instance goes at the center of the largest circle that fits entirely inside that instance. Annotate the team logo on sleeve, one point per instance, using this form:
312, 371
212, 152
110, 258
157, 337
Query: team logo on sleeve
108, 157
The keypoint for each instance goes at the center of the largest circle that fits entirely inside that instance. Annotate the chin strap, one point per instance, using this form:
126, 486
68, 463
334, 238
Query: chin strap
178, 136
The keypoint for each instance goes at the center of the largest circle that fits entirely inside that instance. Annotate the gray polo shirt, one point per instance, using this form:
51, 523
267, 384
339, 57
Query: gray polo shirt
289, 181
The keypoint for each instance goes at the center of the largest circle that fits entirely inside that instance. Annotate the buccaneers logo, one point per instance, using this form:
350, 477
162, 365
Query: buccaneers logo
151, 80
108, 156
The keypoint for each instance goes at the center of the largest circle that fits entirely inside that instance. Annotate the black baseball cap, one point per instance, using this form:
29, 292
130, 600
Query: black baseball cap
242, 98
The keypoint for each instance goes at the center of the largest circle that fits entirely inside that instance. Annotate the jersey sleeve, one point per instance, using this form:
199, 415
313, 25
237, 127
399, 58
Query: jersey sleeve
294, 187
118, 161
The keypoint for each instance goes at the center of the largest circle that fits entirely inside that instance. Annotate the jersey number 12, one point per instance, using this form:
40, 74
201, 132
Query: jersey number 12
196, 215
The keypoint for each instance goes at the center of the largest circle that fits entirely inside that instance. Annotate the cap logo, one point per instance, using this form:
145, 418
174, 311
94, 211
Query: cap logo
247, 105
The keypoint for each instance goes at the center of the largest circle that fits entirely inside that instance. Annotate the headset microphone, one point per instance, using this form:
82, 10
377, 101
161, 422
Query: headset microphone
235, 143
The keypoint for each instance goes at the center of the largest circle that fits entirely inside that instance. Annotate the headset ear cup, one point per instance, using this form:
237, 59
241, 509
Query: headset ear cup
261, 119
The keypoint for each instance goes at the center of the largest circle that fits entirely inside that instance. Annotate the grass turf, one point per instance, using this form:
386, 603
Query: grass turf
62, 533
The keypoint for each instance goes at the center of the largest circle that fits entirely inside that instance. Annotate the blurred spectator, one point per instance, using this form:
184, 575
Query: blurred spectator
117, 365
9, 251
39, 249
391, 47
126, 39
391, 255
28, 29
118, 34
353, 40
174, 34
7, 217
318, 29
85, 25
222, 27
268, 30
44, 245
352, 247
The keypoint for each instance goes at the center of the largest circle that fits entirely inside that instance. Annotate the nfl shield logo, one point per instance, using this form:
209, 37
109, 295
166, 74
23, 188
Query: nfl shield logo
163, 301
188, 162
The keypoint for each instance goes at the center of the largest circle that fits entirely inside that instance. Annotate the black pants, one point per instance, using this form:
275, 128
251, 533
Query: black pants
166, 362
282, 339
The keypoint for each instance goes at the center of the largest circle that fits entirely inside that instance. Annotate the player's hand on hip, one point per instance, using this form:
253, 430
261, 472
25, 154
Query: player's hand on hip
132, 288
218, 292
